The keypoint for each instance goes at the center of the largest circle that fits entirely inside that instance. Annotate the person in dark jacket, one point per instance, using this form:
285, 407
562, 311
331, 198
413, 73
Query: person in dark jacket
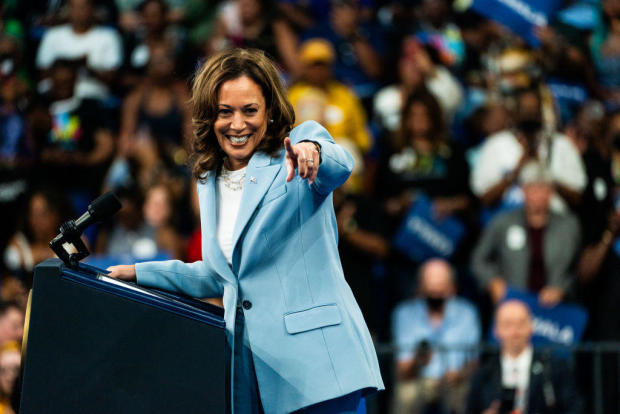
520, 379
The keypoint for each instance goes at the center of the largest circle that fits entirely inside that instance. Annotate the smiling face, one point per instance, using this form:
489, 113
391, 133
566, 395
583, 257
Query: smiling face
241, 120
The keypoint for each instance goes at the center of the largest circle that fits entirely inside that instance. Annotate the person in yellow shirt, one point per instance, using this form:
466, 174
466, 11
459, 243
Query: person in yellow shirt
318, 96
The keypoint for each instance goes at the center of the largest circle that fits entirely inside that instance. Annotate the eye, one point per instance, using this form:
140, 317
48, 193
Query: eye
224, 111
251, 110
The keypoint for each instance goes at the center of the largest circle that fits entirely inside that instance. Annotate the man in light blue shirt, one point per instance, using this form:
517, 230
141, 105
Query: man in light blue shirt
435, 333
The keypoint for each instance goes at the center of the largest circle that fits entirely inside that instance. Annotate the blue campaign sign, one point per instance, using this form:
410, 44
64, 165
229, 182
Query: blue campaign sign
520, 16
559, 325
422, 236
583, 16
569, 96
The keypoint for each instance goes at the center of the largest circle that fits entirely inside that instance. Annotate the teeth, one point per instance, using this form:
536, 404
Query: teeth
239, 140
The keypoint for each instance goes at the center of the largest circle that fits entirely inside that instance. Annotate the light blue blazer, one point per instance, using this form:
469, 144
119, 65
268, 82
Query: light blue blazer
308, 337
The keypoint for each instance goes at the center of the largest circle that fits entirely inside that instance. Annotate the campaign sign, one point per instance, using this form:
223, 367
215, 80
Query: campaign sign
423, 236
568, 95
520, 16
558, 325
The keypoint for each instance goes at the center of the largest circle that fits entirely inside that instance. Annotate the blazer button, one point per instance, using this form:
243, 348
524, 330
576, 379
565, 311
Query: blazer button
246, 304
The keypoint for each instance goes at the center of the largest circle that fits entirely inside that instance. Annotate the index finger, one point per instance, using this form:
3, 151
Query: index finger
289, 147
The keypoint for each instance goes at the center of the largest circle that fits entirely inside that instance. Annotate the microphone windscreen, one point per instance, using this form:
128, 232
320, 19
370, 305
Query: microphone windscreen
104, 206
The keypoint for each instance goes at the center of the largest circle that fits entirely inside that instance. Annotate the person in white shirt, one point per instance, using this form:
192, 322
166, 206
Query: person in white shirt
521, 380
97, 48
496, 171
416, 70
513, 328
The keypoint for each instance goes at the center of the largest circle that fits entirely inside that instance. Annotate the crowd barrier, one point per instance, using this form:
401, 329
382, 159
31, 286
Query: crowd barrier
596, 366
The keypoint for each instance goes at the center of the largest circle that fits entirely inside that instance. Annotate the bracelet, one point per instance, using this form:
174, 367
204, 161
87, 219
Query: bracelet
317, 146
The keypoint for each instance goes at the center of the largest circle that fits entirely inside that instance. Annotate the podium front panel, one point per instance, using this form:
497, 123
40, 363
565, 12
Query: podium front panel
92, 350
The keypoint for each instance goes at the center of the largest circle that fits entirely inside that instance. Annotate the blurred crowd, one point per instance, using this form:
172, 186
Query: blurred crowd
511, 150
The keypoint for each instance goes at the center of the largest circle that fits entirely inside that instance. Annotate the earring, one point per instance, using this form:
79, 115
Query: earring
271, 121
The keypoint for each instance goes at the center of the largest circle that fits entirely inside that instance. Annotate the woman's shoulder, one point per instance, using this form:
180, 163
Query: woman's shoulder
307, 127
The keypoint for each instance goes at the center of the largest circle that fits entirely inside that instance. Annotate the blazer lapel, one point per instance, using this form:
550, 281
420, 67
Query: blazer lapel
208, 212
535, 398
259, 176
495, 384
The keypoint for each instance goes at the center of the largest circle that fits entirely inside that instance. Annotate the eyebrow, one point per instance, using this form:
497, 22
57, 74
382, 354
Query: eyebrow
244, 106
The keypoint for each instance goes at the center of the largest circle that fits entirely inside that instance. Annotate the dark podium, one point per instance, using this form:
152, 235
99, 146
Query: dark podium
101, 346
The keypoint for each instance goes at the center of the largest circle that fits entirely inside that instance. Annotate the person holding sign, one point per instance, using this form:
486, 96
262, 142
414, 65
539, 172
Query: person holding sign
269, 245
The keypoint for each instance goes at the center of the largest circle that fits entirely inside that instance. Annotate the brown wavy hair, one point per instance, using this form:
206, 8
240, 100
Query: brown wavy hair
228, 65
437, 133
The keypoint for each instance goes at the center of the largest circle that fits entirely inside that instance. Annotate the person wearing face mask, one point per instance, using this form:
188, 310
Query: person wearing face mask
433, 333
503, 155
298, 339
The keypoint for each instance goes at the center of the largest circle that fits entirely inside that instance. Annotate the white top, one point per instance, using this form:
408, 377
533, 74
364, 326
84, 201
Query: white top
387, 104
228, 203
500, 154
516, 374
101, 46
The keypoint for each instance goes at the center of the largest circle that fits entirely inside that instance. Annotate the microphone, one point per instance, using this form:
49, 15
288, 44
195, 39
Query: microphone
68, 241
100, 209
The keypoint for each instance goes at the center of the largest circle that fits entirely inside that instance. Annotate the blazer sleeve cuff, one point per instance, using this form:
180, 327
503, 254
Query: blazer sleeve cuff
190, 279
336, 165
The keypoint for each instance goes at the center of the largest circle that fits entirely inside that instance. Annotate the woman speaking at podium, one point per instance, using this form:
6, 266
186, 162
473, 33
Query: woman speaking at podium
269, 245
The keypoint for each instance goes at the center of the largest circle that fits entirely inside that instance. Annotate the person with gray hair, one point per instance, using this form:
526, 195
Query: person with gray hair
433, 333
530, 248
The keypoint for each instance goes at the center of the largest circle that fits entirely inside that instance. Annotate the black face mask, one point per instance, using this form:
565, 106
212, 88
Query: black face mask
435, 303
529, 126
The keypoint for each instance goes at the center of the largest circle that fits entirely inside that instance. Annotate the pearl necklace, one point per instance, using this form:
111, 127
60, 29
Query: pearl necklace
229, 179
